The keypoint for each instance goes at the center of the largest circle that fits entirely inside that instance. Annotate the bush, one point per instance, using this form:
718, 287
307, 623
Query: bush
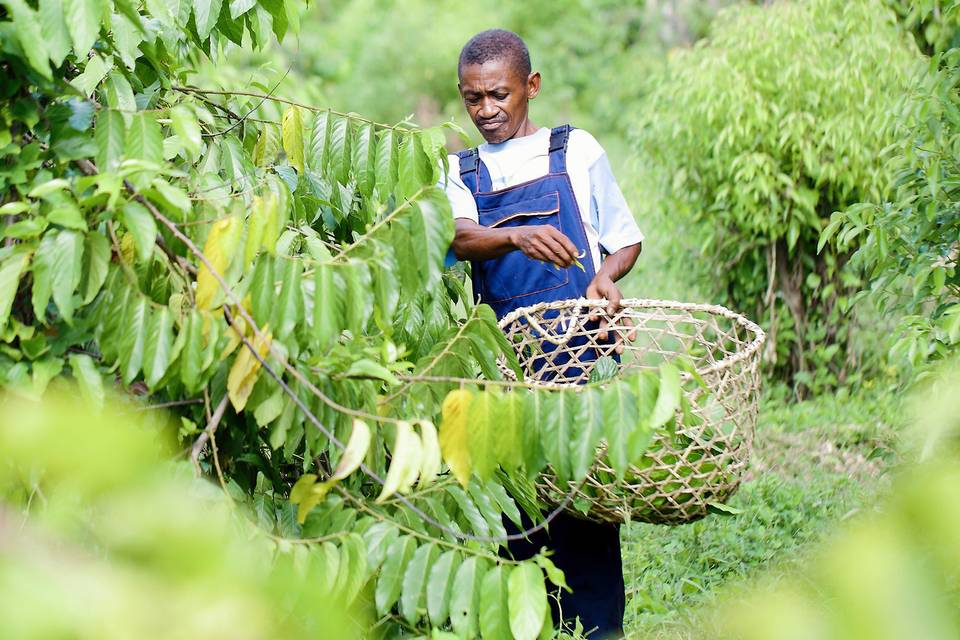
761, 131
908, 244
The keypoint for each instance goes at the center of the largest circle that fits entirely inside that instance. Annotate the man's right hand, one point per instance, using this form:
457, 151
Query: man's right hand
543, 242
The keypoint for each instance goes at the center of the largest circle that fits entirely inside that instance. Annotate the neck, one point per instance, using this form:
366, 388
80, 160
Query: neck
525, 129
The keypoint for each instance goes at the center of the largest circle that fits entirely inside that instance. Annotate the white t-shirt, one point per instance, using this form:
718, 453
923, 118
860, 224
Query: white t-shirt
606, 216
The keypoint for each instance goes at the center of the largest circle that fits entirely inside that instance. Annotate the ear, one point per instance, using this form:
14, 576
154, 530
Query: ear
533, 85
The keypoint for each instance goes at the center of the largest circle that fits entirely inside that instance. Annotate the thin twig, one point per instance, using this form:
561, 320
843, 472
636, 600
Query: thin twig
293, 103
207, 434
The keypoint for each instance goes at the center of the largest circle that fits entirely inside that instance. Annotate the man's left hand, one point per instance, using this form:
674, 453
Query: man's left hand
604, 287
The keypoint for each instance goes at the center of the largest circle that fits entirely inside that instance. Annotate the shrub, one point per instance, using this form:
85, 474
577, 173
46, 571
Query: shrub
761, 131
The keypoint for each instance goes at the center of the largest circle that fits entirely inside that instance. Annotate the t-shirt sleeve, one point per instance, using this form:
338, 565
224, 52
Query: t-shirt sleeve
461, 200
615, 224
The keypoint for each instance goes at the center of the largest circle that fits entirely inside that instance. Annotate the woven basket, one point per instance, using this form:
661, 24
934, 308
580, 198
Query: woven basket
682, 476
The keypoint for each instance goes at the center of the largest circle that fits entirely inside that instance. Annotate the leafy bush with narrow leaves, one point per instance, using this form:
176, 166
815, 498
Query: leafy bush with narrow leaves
908, 245
761, 132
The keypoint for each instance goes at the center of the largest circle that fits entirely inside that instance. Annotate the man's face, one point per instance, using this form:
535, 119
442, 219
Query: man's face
496, 97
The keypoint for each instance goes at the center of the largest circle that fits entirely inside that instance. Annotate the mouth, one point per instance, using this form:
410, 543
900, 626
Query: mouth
492, 125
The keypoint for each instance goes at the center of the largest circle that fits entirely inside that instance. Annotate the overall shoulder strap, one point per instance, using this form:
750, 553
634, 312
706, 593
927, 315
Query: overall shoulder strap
559, 136
469, 161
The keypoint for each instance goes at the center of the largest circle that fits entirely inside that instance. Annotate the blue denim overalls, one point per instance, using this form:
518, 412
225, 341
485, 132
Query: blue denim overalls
588, 552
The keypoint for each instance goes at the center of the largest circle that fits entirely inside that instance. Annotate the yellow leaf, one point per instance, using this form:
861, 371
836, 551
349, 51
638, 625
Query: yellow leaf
404, 463
454, 435
354, 453
302, 487
219, 249
430, 464
293, 137
243, 373
316, 495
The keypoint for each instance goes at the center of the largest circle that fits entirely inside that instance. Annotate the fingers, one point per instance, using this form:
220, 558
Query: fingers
561, 257
569, 248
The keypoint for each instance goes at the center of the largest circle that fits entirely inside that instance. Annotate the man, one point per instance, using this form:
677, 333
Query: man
529, 205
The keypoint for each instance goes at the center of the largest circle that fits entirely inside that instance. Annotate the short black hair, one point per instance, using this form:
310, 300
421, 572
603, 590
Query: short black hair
496, 44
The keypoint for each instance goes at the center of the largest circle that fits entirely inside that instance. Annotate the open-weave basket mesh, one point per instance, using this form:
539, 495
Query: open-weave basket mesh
681, 475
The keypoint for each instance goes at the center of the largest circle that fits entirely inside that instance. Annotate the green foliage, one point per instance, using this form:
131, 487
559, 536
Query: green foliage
274, 271
933, 23
97, 524
908, 244
760, 132
814, 464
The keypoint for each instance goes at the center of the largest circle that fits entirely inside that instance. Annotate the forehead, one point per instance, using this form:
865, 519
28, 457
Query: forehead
486, 76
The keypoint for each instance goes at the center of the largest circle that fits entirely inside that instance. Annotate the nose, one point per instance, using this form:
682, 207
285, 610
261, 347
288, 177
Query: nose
487, 110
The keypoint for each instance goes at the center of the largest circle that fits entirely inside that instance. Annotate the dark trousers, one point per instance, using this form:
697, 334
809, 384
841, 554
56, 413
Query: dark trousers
588, 553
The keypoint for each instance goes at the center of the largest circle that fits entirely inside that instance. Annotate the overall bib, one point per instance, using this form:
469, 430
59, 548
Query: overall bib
587, 552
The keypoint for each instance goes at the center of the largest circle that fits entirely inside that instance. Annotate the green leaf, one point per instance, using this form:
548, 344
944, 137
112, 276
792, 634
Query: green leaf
415, 581
668, 396
133, 338
205, 14
557, 432
386, 165
644, 387
527, 596
292, 134
88, 378
328, 306
156, 354
95, 71
319, 141
469, 508
494, 606
369, 369
431, 458
588, 429
484, 433
10, 272
187, 129
339, 153
390, 581
144, 138
288, 311
191, 356
110, 136
620, 417
42, 269
83, 21
30, 35
466, 594
263, 295
411, 163
379, 538
353, 568
53, 25
139, 221
119, 93
96, 259
240, 7
439, 585
66, 268
364, 158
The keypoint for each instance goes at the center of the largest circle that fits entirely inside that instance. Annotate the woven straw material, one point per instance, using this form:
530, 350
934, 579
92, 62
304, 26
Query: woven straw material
682, 474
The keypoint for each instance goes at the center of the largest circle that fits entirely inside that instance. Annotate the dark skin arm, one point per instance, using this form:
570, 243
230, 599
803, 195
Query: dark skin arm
542, 242
614, 267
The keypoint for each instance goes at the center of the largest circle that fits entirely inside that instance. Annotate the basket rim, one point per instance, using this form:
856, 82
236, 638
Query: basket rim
759, 336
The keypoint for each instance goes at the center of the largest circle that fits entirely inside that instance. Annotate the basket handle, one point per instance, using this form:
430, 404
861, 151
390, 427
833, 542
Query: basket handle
546, 335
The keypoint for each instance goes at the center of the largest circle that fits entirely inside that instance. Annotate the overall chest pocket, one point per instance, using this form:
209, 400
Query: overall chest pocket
514, 274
